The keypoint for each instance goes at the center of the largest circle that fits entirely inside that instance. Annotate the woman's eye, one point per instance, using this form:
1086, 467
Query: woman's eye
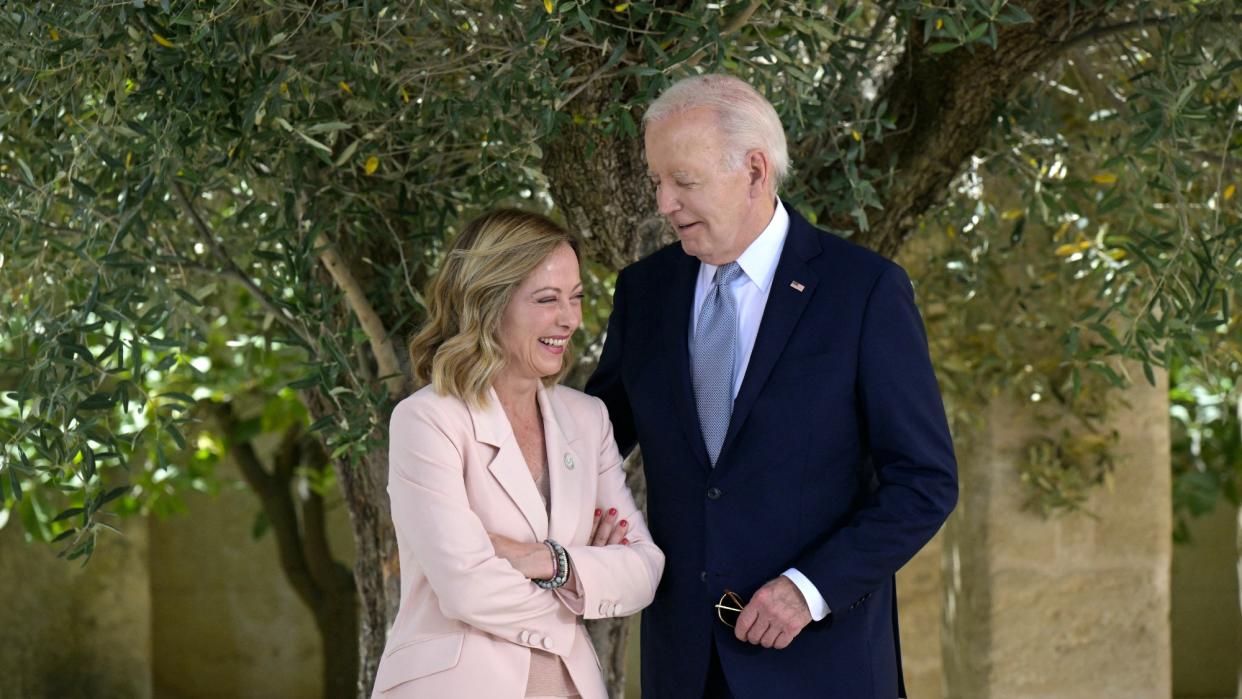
550, 299
579, 296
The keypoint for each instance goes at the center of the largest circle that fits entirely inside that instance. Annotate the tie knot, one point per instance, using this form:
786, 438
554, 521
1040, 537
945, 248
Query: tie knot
726, 273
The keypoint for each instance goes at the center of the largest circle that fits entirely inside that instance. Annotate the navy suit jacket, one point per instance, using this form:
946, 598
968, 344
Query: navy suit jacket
837, 461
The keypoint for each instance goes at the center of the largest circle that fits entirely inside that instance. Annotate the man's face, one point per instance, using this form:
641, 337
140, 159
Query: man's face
711, 208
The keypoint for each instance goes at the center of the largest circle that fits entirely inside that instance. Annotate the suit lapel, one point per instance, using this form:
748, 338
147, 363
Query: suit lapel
566, 465
677, 330
780, 317
508, 466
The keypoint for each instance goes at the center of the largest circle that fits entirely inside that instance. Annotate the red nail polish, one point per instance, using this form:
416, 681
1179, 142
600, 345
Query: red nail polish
625, 541
597, 511
623, 523
612, 511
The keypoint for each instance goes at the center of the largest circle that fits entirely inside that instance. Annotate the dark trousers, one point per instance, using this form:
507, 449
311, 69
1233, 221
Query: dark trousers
717, 686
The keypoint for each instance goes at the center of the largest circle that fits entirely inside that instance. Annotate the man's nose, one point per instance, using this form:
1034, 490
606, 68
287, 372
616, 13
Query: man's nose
666, 201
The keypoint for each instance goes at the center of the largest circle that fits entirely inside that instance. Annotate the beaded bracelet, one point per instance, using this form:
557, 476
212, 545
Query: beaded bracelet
561, 576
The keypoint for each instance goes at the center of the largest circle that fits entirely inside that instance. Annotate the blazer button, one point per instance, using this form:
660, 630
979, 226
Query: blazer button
713, 493
547, 644
569, 461
702, 576
524, 637
535, 639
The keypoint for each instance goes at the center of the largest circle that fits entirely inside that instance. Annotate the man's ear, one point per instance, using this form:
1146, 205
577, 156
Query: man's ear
759, 172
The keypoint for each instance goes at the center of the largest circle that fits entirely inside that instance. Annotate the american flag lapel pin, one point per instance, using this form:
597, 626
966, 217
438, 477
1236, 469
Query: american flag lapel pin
797, 286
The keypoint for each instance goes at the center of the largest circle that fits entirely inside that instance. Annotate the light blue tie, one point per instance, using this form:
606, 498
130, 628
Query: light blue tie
712, 357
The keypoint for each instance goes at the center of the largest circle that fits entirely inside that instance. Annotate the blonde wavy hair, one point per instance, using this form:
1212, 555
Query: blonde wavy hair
458, 348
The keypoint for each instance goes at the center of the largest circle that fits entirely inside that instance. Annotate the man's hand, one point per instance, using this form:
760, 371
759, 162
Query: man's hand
774, 615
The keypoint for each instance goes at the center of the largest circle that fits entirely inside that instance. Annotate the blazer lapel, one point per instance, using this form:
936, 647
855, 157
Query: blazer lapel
566, 465
780, 317
508, 466
677, 330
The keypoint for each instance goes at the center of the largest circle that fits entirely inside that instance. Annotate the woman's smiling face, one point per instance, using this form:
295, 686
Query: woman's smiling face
544, 312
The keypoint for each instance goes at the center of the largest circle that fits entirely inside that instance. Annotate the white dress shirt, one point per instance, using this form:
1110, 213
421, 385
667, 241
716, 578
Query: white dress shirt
750, 291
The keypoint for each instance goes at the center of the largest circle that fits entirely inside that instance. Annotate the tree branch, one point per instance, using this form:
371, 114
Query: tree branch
943, 107
232, 269
1094, 33
381, 344
740, 19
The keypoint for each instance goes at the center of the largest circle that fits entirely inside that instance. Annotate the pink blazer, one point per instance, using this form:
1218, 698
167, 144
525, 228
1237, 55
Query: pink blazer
468, 619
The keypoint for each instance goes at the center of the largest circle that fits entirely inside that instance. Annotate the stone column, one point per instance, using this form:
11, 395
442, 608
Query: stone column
1073, 607
68, 630
920, 597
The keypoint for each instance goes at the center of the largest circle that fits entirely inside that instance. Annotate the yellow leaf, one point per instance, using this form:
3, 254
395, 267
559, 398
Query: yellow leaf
951, 231
405, 96
1230, 191
1061, 231
1071, 248
372, 165
1104, 178
939, 24
345, 87
162, 41
1012, 214
857, 136
549, 6
622, 7
1116, 253
129, 159
54, 34
284, 88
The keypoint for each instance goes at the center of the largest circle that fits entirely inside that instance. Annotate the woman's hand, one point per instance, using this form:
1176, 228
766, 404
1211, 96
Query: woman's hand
531, 560
606, 530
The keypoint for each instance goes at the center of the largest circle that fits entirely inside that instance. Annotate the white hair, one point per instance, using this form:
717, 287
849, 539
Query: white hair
747, 120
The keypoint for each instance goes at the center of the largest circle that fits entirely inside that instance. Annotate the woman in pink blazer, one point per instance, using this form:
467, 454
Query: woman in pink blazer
513, 519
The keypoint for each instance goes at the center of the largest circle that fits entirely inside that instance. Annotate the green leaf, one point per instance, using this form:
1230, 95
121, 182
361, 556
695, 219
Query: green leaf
943, 47
71, 512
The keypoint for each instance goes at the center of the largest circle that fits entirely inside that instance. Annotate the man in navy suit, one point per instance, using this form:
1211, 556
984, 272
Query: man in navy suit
793, 436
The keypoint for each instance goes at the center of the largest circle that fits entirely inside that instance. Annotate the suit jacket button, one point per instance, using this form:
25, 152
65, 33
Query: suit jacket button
547, 644
536, 638
702, 576
524, 637
713, 493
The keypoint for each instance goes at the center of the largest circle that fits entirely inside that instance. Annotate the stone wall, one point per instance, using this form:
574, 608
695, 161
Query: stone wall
75, 632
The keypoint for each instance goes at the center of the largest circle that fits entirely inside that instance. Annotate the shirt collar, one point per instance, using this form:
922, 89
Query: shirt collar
758, 260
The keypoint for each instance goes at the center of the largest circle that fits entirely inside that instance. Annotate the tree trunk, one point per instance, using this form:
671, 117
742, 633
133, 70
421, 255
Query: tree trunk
376, 565
337, 621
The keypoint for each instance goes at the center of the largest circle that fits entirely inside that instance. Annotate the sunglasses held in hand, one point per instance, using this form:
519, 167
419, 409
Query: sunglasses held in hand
729, 608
